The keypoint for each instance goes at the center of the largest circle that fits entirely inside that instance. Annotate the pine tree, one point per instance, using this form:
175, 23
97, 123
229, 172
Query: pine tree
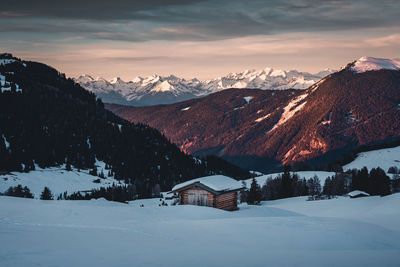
254, 195
68, 166
93, 171
328, 190
156, 190
46, 194
243, 193
314, 187
380, 183
19, 191
286, 185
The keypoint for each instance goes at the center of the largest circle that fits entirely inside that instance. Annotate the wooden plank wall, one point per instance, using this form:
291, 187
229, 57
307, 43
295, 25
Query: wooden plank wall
184, 195
227, 201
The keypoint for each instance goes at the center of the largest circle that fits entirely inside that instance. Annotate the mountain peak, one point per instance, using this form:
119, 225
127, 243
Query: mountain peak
164, 86
116, 80
86, 78
373, 63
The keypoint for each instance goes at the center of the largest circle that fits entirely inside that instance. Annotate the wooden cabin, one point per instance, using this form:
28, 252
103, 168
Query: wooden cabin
216, 191
357, 194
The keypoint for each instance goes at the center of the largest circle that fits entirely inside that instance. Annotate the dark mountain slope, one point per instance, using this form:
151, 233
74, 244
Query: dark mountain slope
49, 120
346, 110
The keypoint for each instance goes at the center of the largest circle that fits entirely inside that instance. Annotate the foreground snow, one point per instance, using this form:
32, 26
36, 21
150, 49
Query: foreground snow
290, 232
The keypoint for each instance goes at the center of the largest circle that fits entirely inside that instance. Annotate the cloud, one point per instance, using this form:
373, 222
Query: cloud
88, 9
196, 20
390, 40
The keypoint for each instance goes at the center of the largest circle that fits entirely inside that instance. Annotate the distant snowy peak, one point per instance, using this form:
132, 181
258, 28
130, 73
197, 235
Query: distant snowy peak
365, 64
157, 89
267, 78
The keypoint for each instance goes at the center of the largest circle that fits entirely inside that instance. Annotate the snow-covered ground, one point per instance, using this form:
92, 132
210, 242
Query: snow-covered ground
57, 179
383, 158
289, 232
302, 174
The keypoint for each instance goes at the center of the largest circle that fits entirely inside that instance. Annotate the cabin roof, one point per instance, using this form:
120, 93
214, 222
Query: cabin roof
357, 193
216, 184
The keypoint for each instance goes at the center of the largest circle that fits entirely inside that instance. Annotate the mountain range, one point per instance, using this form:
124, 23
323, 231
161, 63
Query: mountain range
157, 89
356, 106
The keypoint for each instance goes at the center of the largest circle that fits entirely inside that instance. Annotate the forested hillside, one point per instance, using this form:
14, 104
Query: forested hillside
48, 120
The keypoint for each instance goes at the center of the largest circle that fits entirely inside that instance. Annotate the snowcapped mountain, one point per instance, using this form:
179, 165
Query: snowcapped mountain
157, 89
357, 106
372, 63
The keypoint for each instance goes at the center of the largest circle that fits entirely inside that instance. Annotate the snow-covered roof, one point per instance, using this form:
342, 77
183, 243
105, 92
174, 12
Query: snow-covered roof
215, 182
356, 193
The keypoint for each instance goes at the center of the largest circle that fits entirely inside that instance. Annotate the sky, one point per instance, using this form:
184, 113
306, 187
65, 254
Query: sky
197, 38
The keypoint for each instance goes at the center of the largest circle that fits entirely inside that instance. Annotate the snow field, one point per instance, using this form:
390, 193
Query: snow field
57, 179
290, 232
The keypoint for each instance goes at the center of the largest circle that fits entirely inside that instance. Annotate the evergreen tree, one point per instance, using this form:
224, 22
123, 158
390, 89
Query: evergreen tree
380, 183
68, 166
156, 190
93, 171
328, 187
46, 194
243, 193
254, 195
19, 191
314, 187
361, 180
393, 170
286, 185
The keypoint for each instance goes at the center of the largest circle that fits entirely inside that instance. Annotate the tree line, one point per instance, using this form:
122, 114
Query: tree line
374, 182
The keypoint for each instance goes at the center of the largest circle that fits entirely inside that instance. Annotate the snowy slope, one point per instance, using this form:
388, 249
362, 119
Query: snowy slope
57, 179
372, 63
383, 158
291, 232
157, 89
376, 210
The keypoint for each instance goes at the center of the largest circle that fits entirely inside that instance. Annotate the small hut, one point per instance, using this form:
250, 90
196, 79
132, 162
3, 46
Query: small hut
357, 194
216, 191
